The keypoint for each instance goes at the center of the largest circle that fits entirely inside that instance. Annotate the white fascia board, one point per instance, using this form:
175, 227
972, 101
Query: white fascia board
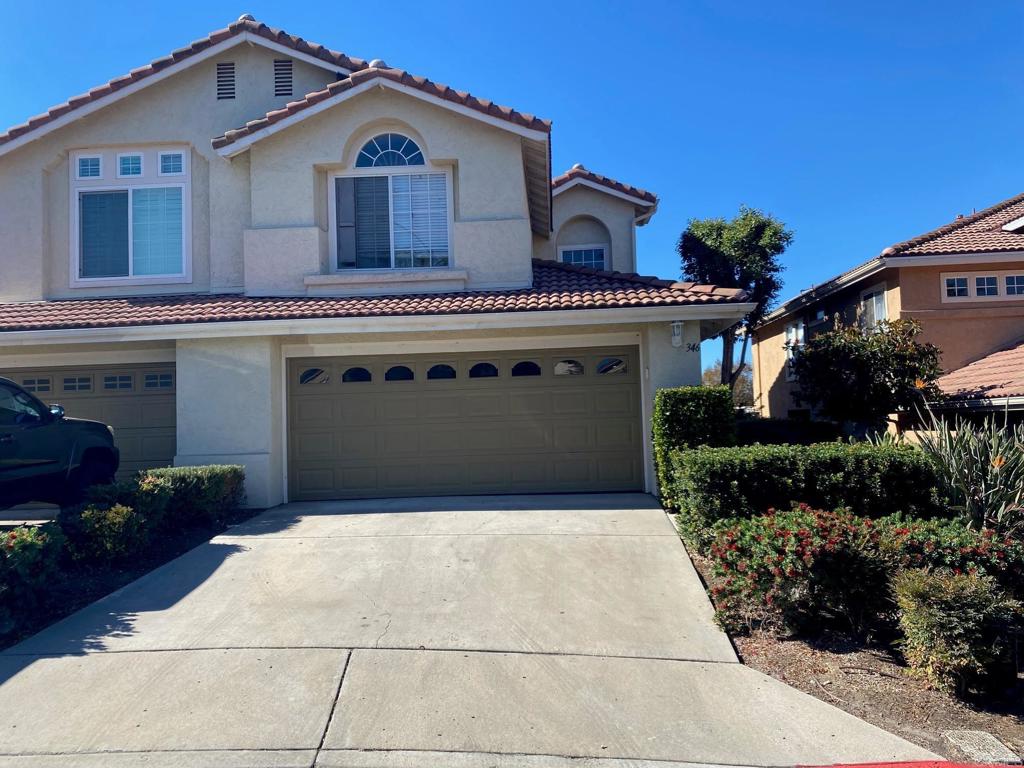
601, 188
173, 69
1013, 403
400, 324
242, 144
949, 259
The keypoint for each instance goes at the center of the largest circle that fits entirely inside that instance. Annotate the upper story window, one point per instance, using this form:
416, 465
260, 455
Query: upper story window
872, 306
130, 224
584, 255
991, 285
385, 217
794, 339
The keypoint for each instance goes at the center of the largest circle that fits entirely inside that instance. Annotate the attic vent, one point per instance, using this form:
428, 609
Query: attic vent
282, 77
226, 80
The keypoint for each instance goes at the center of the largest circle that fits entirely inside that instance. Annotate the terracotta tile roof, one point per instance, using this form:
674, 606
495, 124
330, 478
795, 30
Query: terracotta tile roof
251, 26
385, 73
579, 172
981, 232
1000, 374
556, 286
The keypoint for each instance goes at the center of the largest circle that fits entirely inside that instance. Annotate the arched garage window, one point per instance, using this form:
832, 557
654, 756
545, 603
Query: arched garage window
526, 368
356, 375
483, 371
399, 373
441, 371
611, 365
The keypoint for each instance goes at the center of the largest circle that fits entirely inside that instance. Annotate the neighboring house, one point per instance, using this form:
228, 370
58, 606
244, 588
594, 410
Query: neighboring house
375, 289
964, 282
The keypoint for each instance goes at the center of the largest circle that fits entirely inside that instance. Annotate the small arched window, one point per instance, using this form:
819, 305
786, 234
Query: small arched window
356, 375
314, 376
441, 371
483, 371
568, 368
526, 368
399, 373
611, 365
389, 149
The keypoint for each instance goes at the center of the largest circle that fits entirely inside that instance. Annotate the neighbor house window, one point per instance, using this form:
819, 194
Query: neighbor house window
956, 287
585, 256
987, 285
794, 340
872, 307
132, 223
388, 217
1015, 285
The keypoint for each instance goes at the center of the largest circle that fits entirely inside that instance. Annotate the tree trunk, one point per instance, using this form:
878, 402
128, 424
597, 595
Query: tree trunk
728, 345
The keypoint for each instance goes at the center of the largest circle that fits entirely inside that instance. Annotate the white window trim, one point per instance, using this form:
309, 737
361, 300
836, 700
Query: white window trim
972, 286
791, 352
876, 288
387, 170
160, 163
587, 247
78, 167
142, 165
89, 184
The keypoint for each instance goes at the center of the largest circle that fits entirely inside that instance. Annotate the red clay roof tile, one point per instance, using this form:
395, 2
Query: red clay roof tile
579, 172
1000, 374
556, 286
981, 232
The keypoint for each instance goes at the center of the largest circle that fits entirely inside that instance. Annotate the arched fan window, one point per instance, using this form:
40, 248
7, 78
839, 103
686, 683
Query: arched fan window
389, 149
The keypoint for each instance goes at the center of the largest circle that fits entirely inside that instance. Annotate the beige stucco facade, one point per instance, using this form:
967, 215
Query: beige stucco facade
964, 330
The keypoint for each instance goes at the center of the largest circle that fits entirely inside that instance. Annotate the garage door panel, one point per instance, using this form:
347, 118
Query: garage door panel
499, 434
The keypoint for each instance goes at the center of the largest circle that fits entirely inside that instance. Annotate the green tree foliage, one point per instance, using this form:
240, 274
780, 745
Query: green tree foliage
742, 252
859, 375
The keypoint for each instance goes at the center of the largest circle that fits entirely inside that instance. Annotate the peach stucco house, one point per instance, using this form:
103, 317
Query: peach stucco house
964, 282
350, 279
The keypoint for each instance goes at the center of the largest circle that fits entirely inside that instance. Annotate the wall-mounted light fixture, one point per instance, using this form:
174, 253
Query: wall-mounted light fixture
677, 333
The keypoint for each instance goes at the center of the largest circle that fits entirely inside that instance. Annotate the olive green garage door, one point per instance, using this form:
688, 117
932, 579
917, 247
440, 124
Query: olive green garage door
509, 422
136, 400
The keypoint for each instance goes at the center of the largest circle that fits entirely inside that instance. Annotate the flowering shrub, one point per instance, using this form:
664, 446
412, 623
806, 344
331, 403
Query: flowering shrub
148, 494
29, 557
103, 534
799, 568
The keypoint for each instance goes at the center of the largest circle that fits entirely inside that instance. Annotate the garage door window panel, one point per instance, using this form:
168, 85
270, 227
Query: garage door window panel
311, 376
483, 371
356, 375
119, 382
569, 368
441, 371
77, 383
399, 373
526, 368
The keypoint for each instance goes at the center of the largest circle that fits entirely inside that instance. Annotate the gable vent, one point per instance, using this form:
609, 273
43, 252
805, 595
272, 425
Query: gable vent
282, 77
226, 80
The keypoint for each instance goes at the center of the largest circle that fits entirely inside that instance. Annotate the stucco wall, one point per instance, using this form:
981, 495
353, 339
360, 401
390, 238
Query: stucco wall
490, 236
580, 214
182, 109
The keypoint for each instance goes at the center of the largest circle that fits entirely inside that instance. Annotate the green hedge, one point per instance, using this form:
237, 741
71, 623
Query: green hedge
208, 494
712, 484
686, 417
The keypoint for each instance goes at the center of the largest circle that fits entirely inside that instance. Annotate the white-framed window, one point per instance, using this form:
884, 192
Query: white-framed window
129, 165
89, 167
132, 225
991, 285
794, 340
594, 256
171, 163
872, 306
392, 211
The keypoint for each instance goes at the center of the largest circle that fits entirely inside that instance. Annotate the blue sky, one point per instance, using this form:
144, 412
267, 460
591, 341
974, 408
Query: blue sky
858, 124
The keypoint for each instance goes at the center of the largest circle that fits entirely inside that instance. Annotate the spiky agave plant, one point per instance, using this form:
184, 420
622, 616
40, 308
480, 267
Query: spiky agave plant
982, 468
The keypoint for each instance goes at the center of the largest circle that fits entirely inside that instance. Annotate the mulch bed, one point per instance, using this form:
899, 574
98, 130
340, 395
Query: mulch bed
875, 685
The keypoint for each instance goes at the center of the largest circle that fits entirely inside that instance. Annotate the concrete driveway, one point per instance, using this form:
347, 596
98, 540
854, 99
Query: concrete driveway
450, 633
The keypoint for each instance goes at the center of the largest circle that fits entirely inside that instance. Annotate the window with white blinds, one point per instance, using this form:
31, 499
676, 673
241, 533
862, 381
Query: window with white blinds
396, 221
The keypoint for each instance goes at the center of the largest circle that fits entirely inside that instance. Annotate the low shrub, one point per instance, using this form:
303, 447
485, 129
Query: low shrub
687, 417
101, 534
204, 495
29, 558
146, 493
799, 570
712, 484
958, 629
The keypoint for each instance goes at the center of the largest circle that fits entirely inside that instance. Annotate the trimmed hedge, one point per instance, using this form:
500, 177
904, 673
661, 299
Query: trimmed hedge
685, 417
958, 630
713, 484
208, 494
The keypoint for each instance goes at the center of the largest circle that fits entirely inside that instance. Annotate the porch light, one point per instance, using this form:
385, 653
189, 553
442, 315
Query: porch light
677, 333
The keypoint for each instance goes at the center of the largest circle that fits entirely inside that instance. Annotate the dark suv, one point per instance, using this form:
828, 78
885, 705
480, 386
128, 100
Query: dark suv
45, 456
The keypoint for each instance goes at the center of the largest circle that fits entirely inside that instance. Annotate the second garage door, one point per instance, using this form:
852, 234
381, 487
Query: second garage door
512, 422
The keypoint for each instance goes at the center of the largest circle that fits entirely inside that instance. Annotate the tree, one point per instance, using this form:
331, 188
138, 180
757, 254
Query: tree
740, 253
860, 375
742, 393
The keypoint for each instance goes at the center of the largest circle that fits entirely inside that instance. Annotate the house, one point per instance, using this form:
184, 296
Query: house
352, 280
964, 282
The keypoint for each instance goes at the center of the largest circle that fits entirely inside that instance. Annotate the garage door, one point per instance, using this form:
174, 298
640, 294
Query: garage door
136, 400
471, 423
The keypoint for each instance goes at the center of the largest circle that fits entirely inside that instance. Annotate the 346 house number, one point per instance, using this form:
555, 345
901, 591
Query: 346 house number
692, 346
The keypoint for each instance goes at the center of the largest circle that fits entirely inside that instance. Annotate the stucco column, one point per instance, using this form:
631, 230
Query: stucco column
666, 365
229, 410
